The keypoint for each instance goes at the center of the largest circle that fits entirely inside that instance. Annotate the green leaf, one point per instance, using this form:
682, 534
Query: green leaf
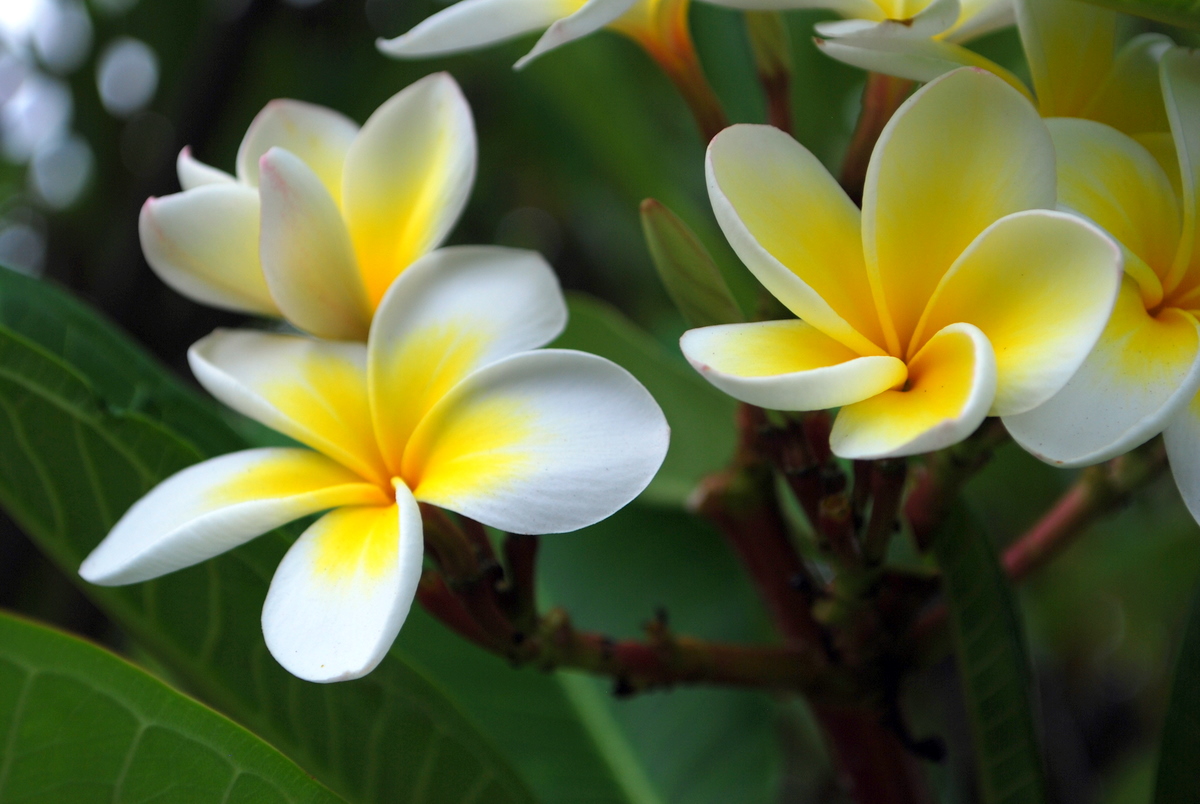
87, 425
686, 269
992, 660
1178, 782
81, 725
1184, 13
701, 417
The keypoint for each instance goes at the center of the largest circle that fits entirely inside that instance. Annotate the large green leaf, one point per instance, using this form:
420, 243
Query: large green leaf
1178, 782
80, 725
87, 425
701, 417
990, 646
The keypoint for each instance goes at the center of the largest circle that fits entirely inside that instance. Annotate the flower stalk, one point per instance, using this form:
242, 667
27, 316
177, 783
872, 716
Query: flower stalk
881, 97
771, 45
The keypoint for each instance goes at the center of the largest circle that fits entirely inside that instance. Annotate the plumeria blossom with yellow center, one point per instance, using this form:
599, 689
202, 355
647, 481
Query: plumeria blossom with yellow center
1143, 377
321, 215
957, 292
450, 403
1077, 68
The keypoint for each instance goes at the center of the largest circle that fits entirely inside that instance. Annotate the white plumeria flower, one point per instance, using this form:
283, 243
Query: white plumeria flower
472, 24
322, 215
449, 403
1144, 375
1070, 45
955, 294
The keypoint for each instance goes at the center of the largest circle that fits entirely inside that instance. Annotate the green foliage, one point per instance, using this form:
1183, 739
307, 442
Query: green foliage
686, 268
992, 660
83, 726
88, 425
1178, 782
701, 417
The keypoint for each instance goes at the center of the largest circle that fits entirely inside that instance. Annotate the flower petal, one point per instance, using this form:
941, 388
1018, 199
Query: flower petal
1110, 179
1142, 371
591, 17
1069, 46
471, 24
1180, 73
932, 20
455, 310
915, 59
960, 154
194, 173
951, 383
344, 589
795, 229
979, 17
314, 391
204, 244
407, 178
306, 253
1040, 285
216, 505
1131, 99
541, 442
1182, 438
787, 365
320, 137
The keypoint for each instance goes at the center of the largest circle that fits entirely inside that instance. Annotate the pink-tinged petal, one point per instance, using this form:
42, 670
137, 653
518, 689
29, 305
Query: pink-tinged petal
214, 506
320, 137
194, 173
344, 589
306, 252
787, 365
541, 442
951, 383
203, 243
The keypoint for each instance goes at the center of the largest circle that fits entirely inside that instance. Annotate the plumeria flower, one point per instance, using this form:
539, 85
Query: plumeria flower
1076, 66
448, 403
659, 26
955, 294
322, 215
1144, 375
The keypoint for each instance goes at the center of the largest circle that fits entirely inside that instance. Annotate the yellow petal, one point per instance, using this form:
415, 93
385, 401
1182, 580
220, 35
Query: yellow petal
1040, 285
314, 391
1180, 72
407, 178
951, 383
1142, 371
320, 137
787, 365
1130, 99
963, 152
1110, 179
1069, 45
795, 229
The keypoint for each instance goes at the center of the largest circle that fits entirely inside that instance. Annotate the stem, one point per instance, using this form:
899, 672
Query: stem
887, 489
874, 765
1099, 491
882, 96
520, 594
771, 46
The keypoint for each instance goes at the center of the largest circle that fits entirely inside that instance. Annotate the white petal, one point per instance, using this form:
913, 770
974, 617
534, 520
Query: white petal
787, 365
951, 383
320, 137
1180, 72
471, 24
204, 244
1142, 371
915, 59
215, 506
979, 17
343, 590
1182, 438
194, 173
593, 16
306, 253
850, 9
455, 310
935, 18
541, 442
407, 178
314, 391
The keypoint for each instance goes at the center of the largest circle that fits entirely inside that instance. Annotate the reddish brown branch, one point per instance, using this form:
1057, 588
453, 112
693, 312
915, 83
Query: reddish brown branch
882, 96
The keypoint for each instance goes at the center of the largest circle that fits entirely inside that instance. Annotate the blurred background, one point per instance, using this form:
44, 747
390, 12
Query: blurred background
96, 100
